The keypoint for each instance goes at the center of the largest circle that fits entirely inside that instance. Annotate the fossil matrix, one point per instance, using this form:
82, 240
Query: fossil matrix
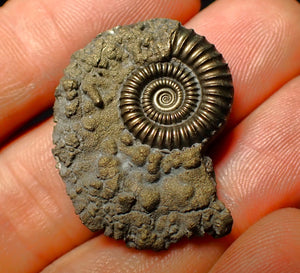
134, 112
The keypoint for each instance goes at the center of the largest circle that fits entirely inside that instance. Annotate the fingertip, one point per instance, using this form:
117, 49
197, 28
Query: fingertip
270, 245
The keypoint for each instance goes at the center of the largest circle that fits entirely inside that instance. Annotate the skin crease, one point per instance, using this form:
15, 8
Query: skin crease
256, 159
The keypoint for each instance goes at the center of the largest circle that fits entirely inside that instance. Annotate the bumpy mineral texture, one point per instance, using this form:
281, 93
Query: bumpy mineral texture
148, 197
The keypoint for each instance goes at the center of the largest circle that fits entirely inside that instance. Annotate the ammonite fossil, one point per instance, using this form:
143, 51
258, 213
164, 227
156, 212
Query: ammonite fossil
134, 113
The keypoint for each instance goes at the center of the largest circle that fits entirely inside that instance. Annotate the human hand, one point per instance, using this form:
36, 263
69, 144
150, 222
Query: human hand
257, 159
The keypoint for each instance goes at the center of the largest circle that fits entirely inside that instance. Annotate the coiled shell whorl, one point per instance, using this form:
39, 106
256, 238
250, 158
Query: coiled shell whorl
180, 101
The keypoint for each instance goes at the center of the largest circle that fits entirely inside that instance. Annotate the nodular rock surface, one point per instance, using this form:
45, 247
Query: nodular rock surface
146, 196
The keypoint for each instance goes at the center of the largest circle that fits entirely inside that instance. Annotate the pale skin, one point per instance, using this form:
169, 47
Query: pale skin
256, 159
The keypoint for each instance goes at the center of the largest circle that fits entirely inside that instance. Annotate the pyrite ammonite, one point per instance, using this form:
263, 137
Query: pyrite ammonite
134, 112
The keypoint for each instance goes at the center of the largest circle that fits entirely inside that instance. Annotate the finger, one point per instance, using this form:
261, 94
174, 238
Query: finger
276, 242
258, 164
271, 245
260, 41
38, 37
37, 219
103, 254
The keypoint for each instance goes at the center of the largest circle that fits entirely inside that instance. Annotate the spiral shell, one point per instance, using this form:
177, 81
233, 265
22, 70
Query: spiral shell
183, 101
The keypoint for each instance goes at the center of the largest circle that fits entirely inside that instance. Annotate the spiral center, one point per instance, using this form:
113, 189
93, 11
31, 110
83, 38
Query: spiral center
166, 99
162, 96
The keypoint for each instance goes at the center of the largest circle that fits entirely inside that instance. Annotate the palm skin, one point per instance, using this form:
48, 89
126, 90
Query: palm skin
257, 158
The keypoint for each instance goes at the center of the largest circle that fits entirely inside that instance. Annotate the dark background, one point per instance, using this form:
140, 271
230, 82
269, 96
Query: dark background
205, 3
